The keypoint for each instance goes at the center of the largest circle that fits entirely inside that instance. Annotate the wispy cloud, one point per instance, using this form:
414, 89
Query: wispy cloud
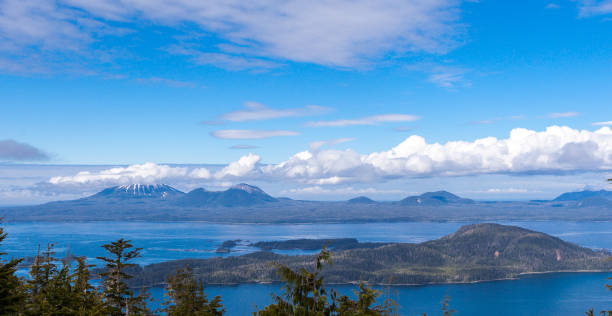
16, 151
592, 8
318, 144
165, 81
253, 34
250, 134
224, 60
607, 123
552, 6
243, 146
563, 114
369, 120
485, 122
256, 111
448, 77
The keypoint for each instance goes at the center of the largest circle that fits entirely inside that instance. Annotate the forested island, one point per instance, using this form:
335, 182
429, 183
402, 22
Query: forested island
479, 252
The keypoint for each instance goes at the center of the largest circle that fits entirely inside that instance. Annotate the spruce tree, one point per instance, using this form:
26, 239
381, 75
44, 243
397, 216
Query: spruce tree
118, 297
185, 297
86, 300
11, 294
306, 295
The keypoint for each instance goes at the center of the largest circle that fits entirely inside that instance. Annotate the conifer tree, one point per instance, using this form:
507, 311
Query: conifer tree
185, 297
86, 300
118, 297
11, 294
306, 295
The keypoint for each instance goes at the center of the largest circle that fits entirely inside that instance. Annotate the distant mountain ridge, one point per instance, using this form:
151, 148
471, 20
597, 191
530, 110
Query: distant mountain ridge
580, 195
239, 195
434, 199
244, 203
361, 200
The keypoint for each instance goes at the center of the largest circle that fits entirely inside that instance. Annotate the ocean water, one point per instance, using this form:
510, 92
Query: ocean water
554, 294
557, 294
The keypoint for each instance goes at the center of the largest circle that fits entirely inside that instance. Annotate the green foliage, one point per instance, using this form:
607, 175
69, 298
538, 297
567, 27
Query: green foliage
185, 297
119, 299
305, 295
53, 290
11, 291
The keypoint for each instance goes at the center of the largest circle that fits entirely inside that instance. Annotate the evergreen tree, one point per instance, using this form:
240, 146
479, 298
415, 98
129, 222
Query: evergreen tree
86, 300
185, 297
118, 297
11, 293
306, 295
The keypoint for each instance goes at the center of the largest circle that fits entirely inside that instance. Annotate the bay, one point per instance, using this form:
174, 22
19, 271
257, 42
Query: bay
550, 294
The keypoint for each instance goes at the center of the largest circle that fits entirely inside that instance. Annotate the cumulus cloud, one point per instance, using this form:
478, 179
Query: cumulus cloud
369, 120
239, 168
140, 173
563, 114
250, 134
255, 111
16, 151
555, 150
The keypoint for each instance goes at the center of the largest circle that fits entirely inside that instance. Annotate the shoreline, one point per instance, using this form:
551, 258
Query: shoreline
356, 283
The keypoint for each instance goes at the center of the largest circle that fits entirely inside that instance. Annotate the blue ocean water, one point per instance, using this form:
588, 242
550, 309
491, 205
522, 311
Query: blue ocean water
555, 294
550, 294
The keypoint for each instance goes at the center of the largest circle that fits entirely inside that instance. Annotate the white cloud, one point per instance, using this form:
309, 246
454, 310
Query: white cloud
255, 111
331, 142
608, 123
552, 6
563, 114
448, 77
341, 33
507, 190
141, 173
311, 190
225, 61
200, 173
594, 7
243, 146
555, 150
250, 134
239, 168
370, 120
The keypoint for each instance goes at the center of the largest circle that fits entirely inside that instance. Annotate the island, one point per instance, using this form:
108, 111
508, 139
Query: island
479, 252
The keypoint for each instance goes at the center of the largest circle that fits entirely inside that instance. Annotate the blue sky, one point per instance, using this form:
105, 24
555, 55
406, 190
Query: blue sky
123, 82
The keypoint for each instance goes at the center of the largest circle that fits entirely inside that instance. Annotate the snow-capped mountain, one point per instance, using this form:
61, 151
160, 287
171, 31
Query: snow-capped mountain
155, 191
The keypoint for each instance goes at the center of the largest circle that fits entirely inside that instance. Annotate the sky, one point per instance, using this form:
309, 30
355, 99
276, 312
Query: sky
307, 99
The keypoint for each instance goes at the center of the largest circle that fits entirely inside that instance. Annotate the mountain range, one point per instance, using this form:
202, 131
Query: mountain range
244, 203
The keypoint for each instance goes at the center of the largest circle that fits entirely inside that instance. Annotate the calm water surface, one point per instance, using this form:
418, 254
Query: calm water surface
556, 294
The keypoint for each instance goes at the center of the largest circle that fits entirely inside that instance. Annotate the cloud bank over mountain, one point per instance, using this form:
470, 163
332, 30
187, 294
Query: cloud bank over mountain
557, 149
